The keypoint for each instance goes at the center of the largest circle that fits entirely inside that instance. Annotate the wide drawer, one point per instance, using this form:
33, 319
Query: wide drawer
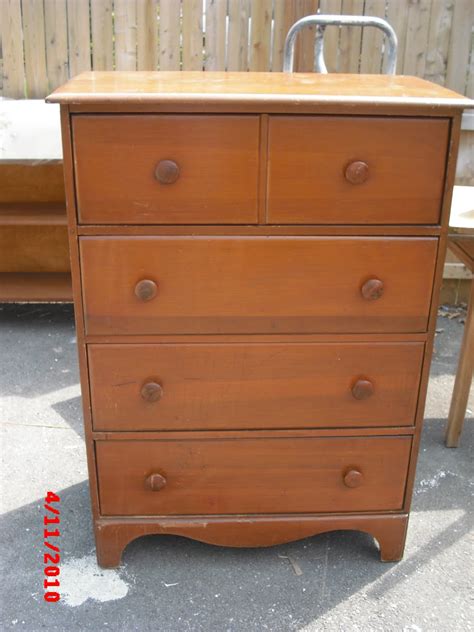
152, 285
166, 169
253, 385
264, 475
355, 170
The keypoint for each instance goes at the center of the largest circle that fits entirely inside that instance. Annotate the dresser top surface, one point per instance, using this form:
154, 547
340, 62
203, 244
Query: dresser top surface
261, 88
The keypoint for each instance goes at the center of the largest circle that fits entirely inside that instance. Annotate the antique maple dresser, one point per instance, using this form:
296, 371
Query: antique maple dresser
256, 260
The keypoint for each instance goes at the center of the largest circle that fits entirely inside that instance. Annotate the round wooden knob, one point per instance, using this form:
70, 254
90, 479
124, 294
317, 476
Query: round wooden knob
151, 392
362, 389
372, 289
167, 171
353, 478
357, 172
155, 482
146, 290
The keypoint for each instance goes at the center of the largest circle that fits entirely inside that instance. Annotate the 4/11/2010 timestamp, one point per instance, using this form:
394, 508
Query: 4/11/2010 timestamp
51, 536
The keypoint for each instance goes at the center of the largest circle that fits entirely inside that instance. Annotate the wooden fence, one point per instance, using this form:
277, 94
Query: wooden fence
43, 42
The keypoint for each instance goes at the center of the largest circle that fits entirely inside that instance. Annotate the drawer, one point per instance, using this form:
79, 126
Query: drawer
355, 170
247, 475
198, 285
166, 169
252, 385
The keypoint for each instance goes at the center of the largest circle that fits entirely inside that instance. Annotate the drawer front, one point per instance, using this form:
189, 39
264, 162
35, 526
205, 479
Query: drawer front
356, 170
153, 285
166, 169
250, 385
266, 475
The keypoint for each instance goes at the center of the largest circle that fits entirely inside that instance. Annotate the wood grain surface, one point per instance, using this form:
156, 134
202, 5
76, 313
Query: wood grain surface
249, 385
237, 88
117, 157
297, 353
44, 287
32, 182
113, 534
252, 475
308, 157
463, 247
256, 285
34, 255
37, 249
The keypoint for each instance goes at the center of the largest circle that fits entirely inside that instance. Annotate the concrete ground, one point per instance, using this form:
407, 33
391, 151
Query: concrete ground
173, 584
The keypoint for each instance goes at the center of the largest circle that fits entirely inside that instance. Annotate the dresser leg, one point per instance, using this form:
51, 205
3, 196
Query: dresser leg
108, 556
391, 536
110, 544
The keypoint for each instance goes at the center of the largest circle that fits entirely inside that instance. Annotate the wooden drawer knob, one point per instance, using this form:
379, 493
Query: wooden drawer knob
372, 289
146, 290
357, 172
353, 478
155, 482
362, 389
167, 171
151, 392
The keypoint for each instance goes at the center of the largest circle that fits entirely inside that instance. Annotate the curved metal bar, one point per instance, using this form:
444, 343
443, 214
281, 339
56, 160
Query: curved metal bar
321, 22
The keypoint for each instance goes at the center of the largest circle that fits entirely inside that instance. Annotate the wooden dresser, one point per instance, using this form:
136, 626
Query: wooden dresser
256, 261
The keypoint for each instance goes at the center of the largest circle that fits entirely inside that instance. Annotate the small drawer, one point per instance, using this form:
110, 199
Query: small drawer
355, 170
166, 169
219, 285
252, 475
208, 386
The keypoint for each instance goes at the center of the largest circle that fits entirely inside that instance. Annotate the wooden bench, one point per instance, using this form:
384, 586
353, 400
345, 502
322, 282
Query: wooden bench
34, 255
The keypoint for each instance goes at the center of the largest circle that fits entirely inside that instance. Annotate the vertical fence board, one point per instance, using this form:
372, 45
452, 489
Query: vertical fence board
215, 34
372, 39
283, 18
102, 34
460, 45
350, 39
35, 48
438, 41
470, 78
78, 37
169, 42
192, 35
55, 16
147, 35
125, 23
238, 36
45, 41
304, 49
397, 16
331, 36
260, 44
13, 70
417, 38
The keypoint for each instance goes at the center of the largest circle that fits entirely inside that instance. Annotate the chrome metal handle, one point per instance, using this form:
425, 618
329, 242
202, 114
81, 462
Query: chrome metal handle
321, 22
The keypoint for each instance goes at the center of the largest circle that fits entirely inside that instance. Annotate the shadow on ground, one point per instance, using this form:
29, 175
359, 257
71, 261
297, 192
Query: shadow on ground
175, 585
